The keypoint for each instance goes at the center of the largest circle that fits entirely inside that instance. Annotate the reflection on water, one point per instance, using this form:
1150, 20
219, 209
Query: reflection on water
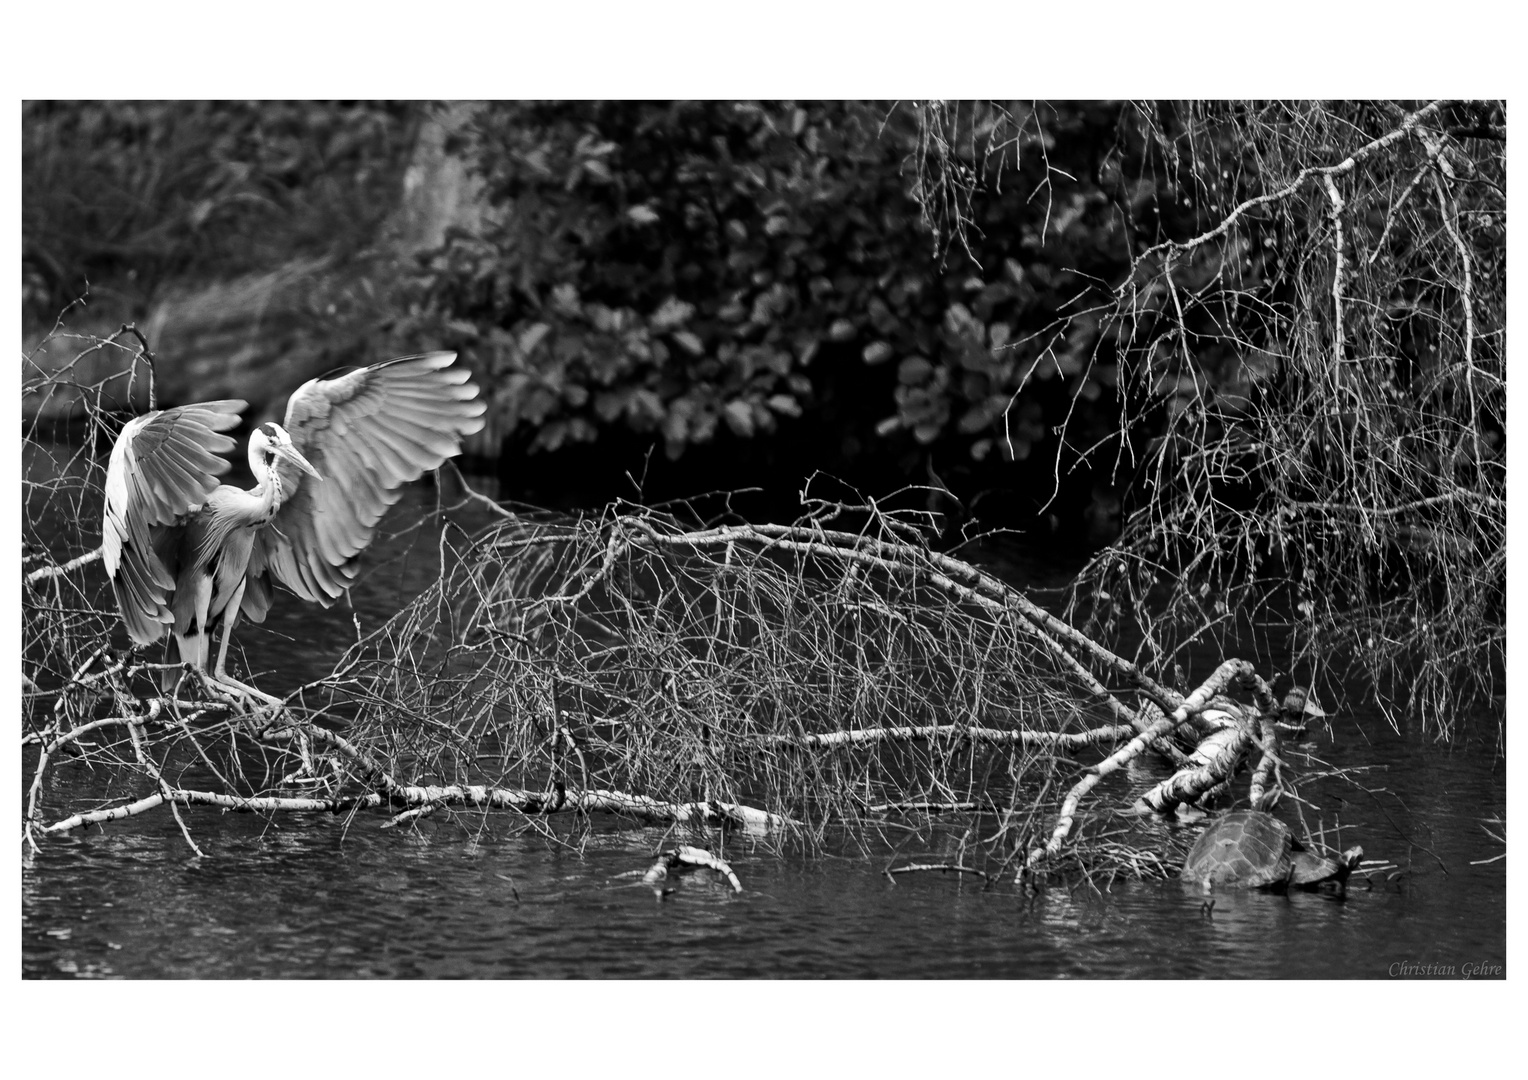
322, 896
311, 898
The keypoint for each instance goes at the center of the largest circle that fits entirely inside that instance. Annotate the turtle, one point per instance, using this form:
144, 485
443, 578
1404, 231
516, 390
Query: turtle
1250, 849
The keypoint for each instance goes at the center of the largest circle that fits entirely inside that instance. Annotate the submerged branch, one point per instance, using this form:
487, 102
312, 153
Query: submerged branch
429, 796
689, 858
955, 868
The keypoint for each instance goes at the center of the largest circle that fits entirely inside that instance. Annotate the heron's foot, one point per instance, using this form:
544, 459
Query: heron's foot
240, 695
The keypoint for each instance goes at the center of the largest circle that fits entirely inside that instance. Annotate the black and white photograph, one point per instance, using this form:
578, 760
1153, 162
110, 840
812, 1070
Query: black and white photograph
764, 539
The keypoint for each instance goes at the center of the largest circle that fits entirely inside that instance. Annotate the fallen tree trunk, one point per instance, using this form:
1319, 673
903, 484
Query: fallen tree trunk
430, 796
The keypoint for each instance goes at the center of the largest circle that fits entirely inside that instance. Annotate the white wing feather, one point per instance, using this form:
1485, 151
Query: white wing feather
367, 433
162, 468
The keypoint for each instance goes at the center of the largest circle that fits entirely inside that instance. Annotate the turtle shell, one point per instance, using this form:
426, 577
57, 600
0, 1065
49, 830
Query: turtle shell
1245, 849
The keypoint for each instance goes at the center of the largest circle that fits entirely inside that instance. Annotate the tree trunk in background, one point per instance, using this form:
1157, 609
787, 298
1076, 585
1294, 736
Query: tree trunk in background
438, 191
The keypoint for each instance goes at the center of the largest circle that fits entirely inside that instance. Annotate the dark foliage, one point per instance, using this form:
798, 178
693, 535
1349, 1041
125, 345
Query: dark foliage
765, 274
132, 195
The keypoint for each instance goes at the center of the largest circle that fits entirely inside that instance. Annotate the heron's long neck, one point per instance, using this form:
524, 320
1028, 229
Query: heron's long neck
269, 491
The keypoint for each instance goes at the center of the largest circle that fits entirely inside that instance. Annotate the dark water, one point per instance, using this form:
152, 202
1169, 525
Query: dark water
309, 897
321, 896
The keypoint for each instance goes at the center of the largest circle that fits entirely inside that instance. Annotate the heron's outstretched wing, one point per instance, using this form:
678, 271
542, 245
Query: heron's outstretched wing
367, 433
162, 468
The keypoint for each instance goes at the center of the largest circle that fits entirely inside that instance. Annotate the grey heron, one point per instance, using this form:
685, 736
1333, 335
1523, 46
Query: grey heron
187, 555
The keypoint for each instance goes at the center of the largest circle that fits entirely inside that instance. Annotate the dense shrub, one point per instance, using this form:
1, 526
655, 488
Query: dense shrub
689, 270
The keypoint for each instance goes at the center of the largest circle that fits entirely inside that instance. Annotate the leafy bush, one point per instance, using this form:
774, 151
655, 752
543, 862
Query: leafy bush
662, 268
687, 269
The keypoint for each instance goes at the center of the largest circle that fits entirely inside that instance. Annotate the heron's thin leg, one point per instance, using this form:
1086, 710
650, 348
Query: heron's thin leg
219, 673
230, 616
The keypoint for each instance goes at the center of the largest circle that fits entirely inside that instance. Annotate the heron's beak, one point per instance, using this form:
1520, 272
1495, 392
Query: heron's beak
291, 454
1312, 709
